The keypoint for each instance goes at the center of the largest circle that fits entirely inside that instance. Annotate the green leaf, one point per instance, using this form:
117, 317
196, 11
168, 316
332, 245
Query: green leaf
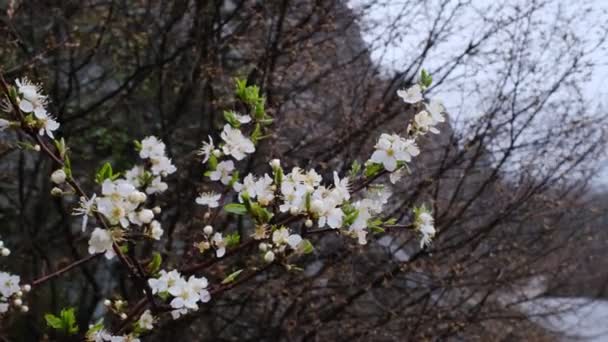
231, 119
232, 239
212, 162
53, 321
12, 93
235, 208
65, 322
390, 221
372, 169
355, 168
350, 218
61, 147
425, 79
137, 144
241, 85
154, 264
259, 110
305, 247
95, 328
231, 277
259, 213
256, 135
234, 179
67, 166
105, 172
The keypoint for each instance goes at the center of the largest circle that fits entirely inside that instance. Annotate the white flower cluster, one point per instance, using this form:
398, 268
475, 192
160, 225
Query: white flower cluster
301, 189
223, 173
209, 199
31, 101
186, 293
212, 240
122, 200
366, 209
392, 149
105, 336
11, 292
261, 189
424, 223
281, 238
235, 144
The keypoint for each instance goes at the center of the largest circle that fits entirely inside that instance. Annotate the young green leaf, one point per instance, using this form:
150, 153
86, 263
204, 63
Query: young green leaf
64, 323
231, 277
235, 208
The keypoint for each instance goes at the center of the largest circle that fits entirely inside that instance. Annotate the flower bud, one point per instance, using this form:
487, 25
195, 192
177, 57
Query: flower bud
107, 303
56, 192
37, 148
123, 316
137, 197
26, 288
203, 246
208, 230
19, 293
18, 302
269, 256
263, 247
25, 308
157, 210
293, 211
308, 223
5, 252
275, 163
58, 177
217, 153
1, 244
145, 215
207, 215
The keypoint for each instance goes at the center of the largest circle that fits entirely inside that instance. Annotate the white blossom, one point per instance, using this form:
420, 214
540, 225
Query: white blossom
156, 231
32, 101
152, 147
162, 166
282, 236
210, 199
156, 186
341, 190
146, 320
223, 172
220, 244
424, 223
242, 118
391, 149
436, 109
411, 95
9, 284
85, 209
48, 124
206, 149
235, 143
101, 242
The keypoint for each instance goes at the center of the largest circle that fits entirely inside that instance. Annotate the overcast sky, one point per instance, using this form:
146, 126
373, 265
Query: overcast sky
395, 56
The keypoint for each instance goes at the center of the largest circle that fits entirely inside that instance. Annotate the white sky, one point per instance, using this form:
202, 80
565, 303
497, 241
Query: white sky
397, 54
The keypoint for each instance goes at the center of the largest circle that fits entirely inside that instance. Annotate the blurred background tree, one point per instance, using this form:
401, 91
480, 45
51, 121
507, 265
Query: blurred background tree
509, 177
